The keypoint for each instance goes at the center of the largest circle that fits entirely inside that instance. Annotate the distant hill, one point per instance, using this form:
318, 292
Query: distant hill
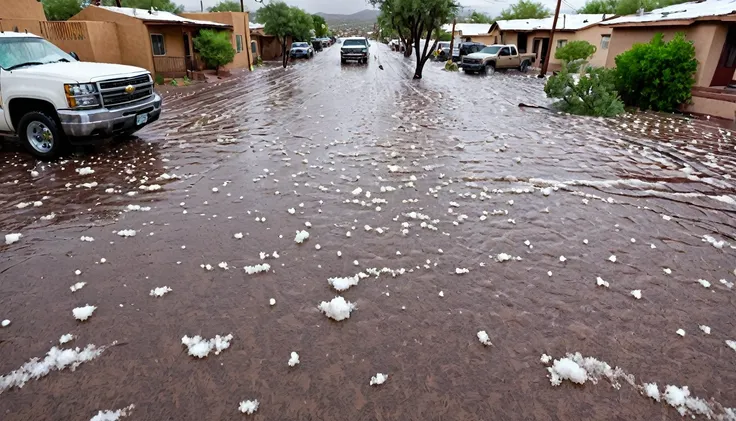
365, 16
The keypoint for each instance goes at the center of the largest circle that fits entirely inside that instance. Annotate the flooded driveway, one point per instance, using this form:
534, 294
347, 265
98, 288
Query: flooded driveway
463, 211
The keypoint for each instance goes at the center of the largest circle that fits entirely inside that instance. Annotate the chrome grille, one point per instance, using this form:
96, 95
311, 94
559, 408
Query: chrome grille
113, 91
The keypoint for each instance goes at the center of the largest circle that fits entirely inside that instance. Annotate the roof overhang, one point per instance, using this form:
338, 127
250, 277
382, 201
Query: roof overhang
186, 24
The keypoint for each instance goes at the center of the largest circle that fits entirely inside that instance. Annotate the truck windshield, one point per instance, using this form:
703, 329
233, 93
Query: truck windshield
493, 49
20, 51
299, 45
354, 42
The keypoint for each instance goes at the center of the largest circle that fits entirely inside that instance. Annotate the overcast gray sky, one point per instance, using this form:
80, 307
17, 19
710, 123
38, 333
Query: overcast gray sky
351, 6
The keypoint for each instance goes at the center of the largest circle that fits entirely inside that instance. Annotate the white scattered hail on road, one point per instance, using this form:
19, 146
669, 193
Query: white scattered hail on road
83, 313
379, 379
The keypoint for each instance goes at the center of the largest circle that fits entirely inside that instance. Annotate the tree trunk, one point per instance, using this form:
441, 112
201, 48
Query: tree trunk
285, 58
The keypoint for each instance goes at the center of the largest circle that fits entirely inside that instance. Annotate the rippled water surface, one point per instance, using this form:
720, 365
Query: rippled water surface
490, 177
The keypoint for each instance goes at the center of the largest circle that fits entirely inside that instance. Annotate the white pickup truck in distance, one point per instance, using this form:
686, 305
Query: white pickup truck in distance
49, 98
497, 57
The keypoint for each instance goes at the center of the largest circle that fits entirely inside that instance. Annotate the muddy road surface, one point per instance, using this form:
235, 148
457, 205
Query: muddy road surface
446, 209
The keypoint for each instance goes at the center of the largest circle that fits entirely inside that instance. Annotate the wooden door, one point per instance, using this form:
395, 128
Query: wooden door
727, 63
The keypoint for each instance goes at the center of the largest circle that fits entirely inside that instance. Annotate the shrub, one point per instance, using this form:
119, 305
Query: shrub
658, 75
594, 93
576, 54
575, 50
174, 82
214, 48
160, 79
451, 67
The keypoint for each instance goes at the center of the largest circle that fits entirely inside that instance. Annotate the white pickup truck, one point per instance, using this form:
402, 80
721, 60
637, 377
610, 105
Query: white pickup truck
48, 97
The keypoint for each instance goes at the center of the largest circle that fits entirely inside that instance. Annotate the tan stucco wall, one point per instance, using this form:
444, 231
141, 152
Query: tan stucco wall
135, 45
708, 38
240, 23
31, 25
105, 44
713, 107
21, 9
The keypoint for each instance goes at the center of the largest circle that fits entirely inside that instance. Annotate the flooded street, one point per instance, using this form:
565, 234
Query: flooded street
413, 181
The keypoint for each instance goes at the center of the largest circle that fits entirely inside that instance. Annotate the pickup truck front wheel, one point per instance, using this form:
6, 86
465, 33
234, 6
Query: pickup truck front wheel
41, 134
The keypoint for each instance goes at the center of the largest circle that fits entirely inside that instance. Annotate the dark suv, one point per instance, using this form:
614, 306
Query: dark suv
466, 48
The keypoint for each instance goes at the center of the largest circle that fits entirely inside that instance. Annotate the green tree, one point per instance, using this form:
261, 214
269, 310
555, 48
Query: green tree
286, 22
599, 7
575, 54
477, 17
320, 26
442, 35
214, 47
657, 75
525, 9
593, 93
225, 6
61, 9
421, 18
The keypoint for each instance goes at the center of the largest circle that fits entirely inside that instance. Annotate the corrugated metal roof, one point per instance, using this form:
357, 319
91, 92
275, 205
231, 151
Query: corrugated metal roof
159, 16
565, 21
683, 11
254, 25
469, 29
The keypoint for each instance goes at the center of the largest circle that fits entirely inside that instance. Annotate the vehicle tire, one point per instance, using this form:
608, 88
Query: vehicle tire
41, 134
489, 69
524, 67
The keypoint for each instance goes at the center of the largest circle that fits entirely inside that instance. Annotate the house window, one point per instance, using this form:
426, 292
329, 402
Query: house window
254, 48
561, 43
605, 40
239, 42
157, 43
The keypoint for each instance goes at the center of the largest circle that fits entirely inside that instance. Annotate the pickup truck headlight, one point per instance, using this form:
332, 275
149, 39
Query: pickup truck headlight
82, 95
365, 50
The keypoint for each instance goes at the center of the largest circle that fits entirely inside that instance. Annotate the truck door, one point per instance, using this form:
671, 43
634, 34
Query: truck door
504, 58
515, 59
4, 117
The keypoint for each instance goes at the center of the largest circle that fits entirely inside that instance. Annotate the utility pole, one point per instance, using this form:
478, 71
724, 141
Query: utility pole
551, 40
242, 6
201, 6
452, 39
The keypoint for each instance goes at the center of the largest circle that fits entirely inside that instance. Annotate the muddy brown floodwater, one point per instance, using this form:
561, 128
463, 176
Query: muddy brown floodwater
488, 177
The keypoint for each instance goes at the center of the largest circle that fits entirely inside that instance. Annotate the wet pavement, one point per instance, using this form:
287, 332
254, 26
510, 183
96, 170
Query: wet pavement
452, 173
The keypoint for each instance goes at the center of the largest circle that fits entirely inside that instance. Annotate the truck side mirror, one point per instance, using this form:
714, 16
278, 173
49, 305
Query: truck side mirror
74, 55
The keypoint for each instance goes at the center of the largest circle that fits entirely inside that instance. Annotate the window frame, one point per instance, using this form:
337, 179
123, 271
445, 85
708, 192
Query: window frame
238, 43
163, 44
514, 52
254, 47
507, 49
606, 37
560, 43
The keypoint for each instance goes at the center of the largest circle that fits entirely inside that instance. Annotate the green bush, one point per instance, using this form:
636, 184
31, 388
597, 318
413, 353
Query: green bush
451, 67
658, 75
215, 48
160, 79
575, 53
593, 94
174, 82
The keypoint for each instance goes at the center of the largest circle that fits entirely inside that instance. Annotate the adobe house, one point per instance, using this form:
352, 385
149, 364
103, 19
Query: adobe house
711, 26
265, 46
475, 32
21, 15
240, 37
158, 41
532, 36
